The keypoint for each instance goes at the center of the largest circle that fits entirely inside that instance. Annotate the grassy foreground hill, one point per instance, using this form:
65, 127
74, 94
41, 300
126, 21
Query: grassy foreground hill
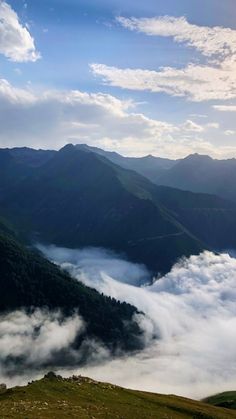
78, 397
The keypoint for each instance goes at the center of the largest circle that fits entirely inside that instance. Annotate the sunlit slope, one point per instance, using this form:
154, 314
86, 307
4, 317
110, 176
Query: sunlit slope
83, 398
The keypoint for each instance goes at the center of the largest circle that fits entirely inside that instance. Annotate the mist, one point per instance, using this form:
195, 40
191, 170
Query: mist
93, 262
32, 340
192, 309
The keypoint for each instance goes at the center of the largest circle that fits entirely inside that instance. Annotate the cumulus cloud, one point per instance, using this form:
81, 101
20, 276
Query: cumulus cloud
212, 80
192, 310
51, 118
16, 42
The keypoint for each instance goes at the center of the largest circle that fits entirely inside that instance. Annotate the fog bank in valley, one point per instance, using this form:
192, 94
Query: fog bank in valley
192, 310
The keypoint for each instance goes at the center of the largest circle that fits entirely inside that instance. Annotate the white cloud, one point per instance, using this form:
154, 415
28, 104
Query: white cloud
209, 41
214, 80
197, 115
192, 309
230, 132
93, 262
225, 108
213, 125
35, 337
195, 82
16, 43
192, 126
52, 118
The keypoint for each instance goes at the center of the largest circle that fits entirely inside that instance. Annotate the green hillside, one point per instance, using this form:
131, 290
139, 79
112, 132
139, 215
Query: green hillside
226, 399
27, 280
77, 397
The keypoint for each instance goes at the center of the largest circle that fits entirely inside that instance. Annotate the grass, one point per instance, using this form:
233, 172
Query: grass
83, 398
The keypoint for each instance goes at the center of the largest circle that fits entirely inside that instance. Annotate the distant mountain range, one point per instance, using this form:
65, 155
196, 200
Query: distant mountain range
149, 166
77, 197
196, 173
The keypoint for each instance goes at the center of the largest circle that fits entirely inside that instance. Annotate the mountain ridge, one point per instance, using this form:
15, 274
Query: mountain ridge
78, 198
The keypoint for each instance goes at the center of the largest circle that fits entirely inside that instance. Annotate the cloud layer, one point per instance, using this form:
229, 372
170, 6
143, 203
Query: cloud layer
16, 42
192, 310
52, 118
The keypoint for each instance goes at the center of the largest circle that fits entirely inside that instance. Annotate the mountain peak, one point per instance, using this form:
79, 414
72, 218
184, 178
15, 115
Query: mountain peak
67, 147
198, 157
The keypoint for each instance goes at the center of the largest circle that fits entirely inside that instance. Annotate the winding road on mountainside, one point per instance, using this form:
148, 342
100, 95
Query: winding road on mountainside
132, 242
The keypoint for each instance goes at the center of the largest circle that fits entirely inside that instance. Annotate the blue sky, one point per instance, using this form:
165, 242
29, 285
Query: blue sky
70, 35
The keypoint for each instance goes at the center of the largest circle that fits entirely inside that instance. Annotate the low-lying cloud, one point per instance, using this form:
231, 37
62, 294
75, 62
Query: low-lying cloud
33, 340
93, 263
193, 311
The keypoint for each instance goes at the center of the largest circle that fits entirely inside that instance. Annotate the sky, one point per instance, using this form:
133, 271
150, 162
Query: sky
155, 77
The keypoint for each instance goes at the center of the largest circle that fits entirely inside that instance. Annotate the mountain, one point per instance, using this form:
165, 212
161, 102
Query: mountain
195, 173
79, 198
11, 171
198, 173
30, 156
29, 281
18, 163
149, 166
210, 218
79, 397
